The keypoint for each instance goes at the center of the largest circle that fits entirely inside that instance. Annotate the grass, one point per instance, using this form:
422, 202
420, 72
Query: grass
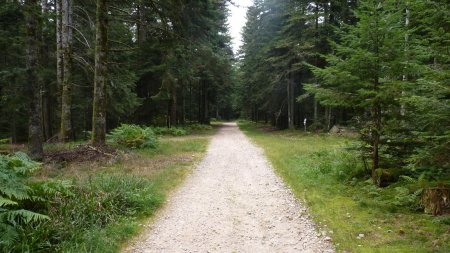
107, 202
319, 171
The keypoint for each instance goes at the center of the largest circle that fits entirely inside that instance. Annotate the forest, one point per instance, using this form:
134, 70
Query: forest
90, 84
381, 67
76, 69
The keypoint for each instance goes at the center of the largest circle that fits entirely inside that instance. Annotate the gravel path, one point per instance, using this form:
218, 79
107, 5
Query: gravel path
233, 202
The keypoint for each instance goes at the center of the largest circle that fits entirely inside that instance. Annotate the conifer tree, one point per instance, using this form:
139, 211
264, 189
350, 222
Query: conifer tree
364, 71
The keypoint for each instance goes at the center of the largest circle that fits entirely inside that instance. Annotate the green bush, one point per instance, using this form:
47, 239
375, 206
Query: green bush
14, 195
173, 131
133, 136
199, 127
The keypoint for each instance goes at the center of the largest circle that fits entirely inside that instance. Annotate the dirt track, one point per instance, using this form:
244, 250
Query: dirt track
233, 202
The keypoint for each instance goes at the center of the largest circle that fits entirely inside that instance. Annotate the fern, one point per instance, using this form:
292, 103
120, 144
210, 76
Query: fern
408, 179
23, 215
14, 190
133, 136
7, 202
8, 235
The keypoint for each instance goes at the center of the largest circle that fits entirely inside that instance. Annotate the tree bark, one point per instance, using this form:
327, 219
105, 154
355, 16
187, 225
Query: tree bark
100, 76
45, 87
59, 46
141, 29
66, 133
316, 116
173, 108
290, 102
205, 104
32, 15
376, 140
406, 49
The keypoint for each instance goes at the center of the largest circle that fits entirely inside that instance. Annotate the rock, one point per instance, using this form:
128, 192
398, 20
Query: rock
361, 235
327, 239
335, 130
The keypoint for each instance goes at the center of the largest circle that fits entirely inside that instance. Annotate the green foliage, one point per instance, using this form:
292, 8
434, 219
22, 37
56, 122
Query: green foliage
14, 194
173, 131
199, 127
79, 208
133, 136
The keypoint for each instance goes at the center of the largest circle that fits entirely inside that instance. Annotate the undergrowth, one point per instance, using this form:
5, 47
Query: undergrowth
15, 193
97, 209
134, 136
78, 209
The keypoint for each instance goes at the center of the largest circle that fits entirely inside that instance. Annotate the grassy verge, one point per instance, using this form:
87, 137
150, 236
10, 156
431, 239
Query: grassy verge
358, 216
98, 206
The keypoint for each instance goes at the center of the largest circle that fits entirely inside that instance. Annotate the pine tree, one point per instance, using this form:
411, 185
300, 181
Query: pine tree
364, 71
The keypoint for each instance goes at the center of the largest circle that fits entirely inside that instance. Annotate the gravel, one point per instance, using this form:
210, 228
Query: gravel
233, 202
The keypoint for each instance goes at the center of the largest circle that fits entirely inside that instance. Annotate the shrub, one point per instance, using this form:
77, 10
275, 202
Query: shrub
133, 136
173, 131
199, 127
14, 193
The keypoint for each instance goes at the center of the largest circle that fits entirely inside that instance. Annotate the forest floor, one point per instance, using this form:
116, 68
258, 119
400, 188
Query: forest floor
233, 202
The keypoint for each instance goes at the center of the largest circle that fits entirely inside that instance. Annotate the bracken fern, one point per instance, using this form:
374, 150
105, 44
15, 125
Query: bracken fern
14, 190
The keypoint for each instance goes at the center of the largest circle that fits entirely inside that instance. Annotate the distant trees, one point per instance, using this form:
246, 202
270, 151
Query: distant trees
93, 65
379, 66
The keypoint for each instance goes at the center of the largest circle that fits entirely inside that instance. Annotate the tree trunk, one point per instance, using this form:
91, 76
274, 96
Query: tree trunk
406, 49
329, 114
200, 103
141, 31
290, 103
100, 76
183, 109
45, 93
32, 12
173, 108
316, 116
205, 104
66, 96
376, 141
59, 46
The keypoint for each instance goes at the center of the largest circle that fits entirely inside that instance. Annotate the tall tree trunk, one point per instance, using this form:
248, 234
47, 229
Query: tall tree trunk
13, 128
141, 29
200, 103
376, 141
183, 109
316, 116
376, 132
173, 108
59, 46
66, 96
290, 102
100, 76
45, 93
406, 49
32, 15
205, 104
